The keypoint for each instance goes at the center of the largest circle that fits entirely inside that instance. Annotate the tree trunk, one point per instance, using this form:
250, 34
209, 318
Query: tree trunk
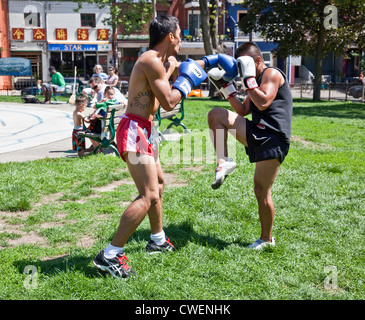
172, 6
154, 8
204, 13
318, 64
213, 24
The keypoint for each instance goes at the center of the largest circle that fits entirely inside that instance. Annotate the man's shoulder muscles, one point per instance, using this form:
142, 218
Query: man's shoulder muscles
151, 65
273, 75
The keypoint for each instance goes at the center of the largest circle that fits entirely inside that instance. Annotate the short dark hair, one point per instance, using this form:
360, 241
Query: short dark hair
108, 88
80, 100
160, 27
249, 49
96, 79
51, 68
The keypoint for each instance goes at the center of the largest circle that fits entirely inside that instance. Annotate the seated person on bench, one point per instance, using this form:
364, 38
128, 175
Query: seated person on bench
96, 91
108, 97
57, 84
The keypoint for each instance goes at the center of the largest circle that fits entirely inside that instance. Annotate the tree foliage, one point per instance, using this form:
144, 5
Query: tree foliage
132, 15
296, 25
306, 27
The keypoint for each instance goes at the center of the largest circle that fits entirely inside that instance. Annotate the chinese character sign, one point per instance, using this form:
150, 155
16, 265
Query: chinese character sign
39, 34
82, 34
61, 34
18, 33
103, 34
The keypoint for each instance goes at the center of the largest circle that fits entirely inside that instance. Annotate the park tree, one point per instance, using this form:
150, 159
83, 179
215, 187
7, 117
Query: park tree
210, 13
308, 27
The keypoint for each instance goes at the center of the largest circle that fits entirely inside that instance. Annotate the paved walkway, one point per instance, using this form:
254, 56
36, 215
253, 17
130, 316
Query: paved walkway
34, 131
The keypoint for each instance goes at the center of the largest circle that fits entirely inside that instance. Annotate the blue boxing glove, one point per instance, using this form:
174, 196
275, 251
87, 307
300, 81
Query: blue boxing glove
223, 61
190, 76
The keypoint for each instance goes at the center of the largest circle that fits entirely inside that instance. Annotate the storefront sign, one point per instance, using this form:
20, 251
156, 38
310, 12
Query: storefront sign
61, 34
105, 47
15, 67
18, 33
39, 34
103, 34
72, 47
82, 34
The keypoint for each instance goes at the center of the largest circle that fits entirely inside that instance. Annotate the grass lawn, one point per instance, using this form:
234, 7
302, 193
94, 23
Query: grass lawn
10, 98
73, 206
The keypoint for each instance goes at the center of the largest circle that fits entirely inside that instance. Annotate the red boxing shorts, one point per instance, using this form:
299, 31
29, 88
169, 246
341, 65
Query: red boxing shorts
134, 134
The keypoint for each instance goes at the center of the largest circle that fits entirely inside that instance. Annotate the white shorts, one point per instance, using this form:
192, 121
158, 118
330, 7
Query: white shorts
55, 87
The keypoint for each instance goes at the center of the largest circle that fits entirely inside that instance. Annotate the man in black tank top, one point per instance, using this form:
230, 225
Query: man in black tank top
266, 138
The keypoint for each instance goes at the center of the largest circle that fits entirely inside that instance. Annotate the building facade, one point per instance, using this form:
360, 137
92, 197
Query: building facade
189, 15
53, 33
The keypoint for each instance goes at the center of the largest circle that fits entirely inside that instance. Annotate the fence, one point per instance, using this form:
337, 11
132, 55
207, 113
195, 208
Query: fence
331, 91
19, 83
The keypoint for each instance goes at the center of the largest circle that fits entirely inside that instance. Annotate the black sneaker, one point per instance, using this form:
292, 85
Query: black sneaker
116, 266
152, 247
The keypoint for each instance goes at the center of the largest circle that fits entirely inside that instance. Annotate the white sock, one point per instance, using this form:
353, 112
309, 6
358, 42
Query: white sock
111, 251
159, 238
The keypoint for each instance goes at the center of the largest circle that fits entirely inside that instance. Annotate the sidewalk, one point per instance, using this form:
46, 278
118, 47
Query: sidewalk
35, 131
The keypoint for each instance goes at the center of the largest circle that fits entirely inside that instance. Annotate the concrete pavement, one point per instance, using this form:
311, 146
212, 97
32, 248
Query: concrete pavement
35, 131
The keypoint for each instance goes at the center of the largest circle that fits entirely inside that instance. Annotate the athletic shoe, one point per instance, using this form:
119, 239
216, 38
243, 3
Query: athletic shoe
152, 247
116, 266
259, 244
222, 171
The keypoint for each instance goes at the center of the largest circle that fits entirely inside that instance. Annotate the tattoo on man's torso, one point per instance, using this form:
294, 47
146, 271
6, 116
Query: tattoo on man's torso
143, 100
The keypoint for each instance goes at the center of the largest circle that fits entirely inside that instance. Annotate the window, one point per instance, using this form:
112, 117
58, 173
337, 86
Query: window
267, 58
194, 22
129, 56
241, 15
32, 19
88, 20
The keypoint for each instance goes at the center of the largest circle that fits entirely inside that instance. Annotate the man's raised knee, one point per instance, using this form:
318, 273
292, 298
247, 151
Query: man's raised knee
213, 115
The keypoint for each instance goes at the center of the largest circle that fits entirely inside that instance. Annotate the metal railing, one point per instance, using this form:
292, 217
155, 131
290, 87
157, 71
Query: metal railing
331, 91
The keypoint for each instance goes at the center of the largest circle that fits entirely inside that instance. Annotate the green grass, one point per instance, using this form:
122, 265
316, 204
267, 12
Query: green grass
17, 99
319, 226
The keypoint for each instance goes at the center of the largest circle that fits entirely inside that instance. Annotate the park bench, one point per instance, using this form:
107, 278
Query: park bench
68, 89
30, 95
109, 126
172, 116
113, 116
